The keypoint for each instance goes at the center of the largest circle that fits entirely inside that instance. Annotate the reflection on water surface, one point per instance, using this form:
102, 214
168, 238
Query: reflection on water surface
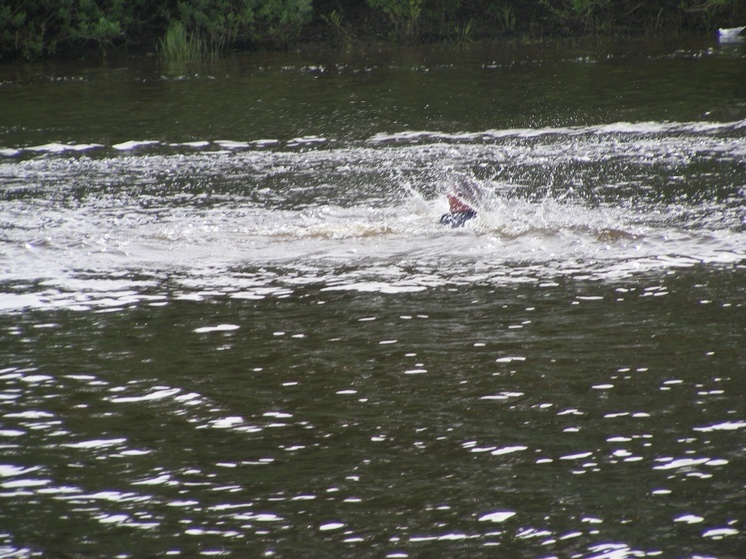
256, 338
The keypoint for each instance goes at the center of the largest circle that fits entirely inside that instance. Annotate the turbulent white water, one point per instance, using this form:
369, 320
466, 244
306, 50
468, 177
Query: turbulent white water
232, 323
599, 202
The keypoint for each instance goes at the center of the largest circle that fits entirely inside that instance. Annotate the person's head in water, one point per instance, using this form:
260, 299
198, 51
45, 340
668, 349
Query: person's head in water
462, 199
458, 202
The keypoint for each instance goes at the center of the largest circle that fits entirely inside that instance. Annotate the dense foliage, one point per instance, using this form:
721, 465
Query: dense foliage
40, 28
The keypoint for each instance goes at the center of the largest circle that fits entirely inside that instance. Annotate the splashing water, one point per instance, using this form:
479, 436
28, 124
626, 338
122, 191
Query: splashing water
231, 322
600, 202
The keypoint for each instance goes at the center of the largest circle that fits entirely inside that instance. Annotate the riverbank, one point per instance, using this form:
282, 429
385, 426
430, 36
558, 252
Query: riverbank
31, 30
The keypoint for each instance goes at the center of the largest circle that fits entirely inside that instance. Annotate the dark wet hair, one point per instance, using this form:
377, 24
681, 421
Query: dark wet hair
467, 188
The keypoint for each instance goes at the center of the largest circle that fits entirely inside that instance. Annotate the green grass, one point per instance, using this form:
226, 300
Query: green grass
177, 46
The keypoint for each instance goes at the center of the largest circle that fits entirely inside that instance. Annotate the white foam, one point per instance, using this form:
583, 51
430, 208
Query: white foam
376, 287
266, 143
61, 148
306, 141
133, 144
195, 144
615, 128
232, 144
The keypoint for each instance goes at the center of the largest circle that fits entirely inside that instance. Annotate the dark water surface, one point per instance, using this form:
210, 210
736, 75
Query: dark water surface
230, 323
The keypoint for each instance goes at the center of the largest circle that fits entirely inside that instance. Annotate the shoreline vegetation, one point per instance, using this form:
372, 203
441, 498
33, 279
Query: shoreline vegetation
195, 30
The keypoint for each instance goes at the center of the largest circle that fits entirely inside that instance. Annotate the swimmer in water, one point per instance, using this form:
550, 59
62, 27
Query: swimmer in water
461, 199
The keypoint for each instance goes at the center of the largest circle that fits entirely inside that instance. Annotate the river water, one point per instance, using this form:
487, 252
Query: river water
232, 325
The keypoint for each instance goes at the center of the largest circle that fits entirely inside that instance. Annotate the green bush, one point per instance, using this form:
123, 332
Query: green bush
219, 22
226, 23
404, 15
279, 22
35, 28
505, 14
582, 13
41, 28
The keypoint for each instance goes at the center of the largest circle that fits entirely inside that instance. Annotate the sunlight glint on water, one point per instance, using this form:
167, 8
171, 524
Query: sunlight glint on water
247, 334
556, 206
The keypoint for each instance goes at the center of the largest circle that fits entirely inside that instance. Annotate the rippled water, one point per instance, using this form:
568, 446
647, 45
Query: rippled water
231, 323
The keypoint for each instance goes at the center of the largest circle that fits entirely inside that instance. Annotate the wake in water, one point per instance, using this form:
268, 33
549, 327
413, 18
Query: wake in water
596, 202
